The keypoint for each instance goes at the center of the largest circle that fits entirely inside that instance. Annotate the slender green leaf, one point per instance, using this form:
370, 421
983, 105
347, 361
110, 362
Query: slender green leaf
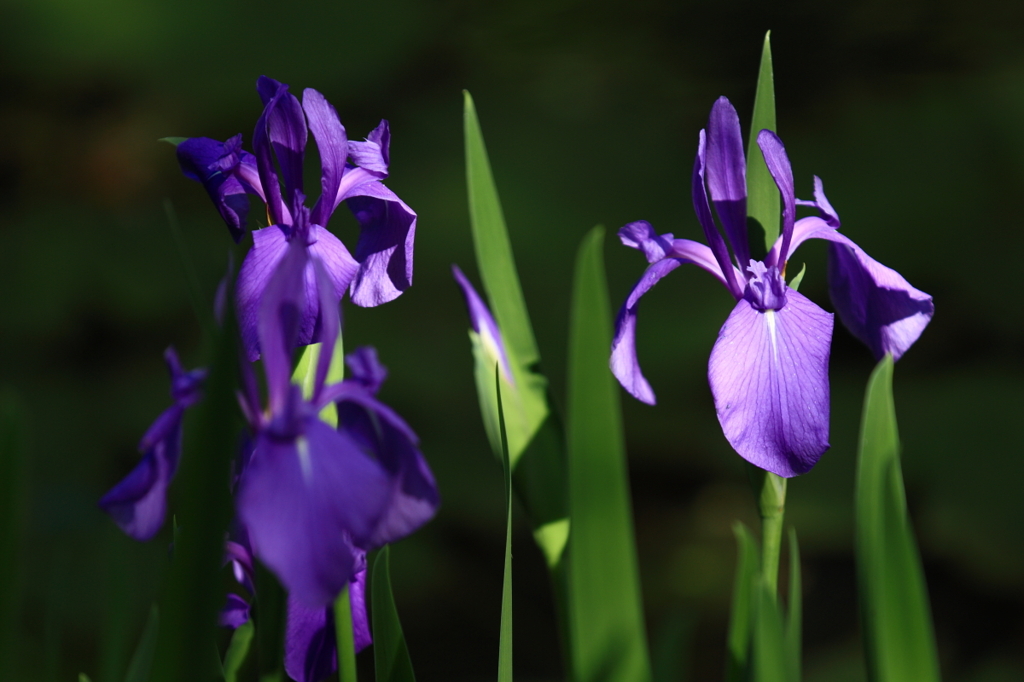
794, 283
269, 616
671, 647
142, 661
238, 649
12, 505
744, 604
345, 636
762, 194
535, 436
505, 636
794, 621
172, 140
896, 617
193, 592
390, 654
769, 656
493, 248
606, 612
305, 373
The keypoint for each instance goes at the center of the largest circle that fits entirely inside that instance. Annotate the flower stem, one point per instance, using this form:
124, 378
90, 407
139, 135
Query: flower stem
771, 504
346, 638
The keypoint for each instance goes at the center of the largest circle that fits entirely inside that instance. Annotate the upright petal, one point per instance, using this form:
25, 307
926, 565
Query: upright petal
287, 132
332, 143
483, 324
373, 154
769, 376
283, 312
366, 369
305, 501
269, 247
640, 235
874, 302
357, 600
707, 221
385, 248
727, 175
777, 160
138, 503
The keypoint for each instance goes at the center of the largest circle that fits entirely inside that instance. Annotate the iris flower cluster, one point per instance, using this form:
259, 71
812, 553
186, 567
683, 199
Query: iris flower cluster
312, 497
769, 367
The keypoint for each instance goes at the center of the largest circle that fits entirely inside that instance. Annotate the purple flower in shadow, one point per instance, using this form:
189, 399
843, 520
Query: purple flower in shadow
768, 370
314, 497
381, 268
138, 503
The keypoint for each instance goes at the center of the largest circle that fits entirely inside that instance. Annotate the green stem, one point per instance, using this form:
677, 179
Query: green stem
771, 504
346, 638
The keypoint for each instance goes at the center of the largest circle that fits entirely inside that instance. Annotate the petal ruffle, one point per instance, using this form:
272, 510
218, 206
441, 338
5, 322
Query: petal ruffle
373, 153
777, 160
305, 502
385, 248
769, 376
201, 159
333, 145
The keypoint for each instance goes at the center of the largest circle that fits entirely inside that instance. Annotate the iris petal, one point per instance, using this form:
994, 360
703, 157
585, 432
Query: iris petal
385, 248
769, 376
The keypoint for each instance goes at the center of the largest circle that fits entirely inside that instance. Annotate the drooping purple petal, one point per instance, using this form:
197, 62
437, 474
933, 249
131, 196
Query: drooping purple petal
235, 612
138, 503
820, 202
727, 175
366, 369
874, 302
201, 160
769, 376
640, 235
777, 160
707, 222
379, 430
269, 247
310, 642
624, 363
385, 248
357, 602
333, 145
483, 324
282, 314
305, 500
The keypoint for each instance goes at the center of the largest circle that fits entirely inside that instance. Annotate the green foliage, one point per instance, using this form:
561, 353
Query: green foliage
794, 625
505, 636
12, 467
741, 619
345, 636
192, 594
142, 661
237, 651
534, 433
605, 607
390, 654
896, 619
762, 195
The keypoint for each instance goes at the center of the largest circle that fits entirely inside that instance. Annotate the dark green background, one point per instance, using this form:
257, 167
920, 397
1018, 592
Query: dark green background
911, 112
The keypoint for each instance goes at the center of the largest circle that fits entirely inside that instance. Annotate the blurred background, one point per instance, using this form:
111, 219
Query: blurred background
912, 112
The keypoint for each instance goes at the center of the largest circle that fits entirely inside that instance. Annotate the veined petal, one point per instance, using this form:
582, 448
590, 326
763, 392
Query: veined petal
769, 376
624, 363
727, 175
707, 222
333, 145
385, 247
828, 214
310, 642
286, 129
283, 312
874, 302
305, 502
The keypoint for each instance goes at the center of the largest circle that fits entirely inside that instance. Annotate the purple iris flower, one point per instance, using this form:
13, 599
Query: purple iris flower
769, 367
310, 642
381, 268
138, 504
484, 325
314, 498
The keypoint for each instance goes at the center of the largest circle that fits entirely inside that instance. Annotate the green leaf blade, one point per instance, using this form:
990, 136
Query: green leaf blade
898, 633
505, 636
142, 659
763, 204
390, 654
794, 622
608, 638
744, 604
